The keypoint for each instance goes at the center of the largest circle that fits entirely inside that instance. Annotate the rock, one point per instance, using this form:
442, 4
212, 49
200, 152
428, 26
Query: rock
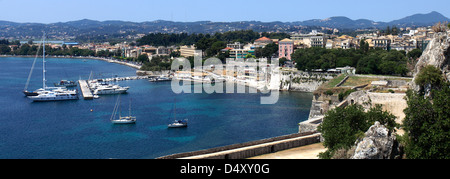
437, 54
377, 144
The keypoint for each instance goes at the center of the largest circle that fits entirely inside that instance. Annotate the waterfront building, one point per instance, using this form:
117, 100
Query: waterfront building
286, 48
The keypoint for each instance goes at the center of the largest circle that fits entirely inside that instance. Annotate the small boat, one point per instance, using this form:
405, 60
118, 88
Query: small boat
65, 83
122, 120
160, 79
179, 124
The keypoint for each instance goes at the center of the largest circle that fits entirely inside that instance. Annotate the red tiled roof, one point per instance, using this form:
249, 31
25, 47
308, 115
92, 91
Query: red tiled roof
263, 39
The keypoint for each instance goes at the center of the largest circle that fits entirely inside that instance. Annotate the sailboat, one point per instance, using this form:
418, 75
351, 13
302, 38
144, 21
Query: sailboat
177, 123
122, 120
47, 93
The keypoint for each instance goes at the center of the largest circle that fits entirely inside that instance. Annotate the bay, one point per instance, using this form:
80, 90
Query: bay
69, 130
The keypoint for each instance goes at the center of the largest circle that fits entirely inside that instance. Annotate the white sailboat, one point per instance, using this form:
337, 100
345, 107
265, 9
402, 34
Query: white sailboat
47, 93
177, 123
122, 120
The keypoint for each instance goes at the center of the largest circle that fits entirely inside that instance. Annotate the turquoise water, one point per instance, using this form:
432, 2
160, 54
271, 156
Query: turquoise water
60, 130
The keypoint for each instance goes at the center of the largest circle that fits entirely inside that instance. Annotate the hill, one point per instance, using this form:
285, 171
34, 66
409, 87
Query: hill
91, 29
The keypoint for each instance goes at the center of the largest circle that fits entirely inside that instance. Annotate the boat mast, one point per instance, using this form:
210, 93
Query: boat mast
130, 108
175, 109
43, 64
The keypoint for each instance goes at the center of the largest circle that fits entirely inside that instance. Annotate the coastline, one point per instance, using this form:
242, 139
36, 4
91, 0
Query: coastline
110, 60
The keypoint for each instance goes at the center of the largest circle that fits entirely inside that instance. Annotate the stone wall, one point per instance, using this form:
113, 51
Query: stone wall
304, 81
394, 103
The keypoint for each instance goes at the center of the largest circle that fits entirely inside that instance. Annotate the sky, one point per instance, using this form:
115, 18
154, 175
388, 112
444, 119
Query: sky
52, 11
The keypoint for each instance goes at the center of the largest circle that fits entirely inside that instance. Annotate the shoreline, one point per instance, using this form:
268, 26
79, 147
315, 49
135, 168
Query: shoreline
110, 60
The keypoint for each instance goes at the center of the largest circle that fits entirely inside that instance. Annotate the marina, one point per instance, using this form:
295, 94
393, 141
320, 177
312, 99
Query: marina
81, 129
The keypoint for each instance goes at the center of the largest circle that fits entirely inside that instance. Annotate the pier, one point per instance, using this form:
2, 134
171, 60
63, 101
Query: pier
87, 94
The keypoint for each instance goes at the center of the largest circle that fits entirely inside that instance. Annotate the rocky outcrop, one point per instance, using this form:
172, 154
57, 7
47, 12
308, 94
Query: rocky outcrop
378, 143
437, 54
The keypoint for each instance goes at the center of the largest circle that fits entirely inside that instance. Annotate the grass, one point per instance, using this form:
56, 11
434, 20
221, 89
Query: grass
358, 81
332, 83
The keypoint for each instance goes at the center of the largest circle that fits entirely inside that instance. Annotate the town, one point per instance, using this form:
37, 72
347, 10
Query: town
400, 39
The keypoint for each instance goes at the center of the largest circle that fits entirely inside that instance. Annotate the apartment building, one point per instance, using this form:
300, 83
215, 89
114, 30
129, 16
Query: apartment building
286, 48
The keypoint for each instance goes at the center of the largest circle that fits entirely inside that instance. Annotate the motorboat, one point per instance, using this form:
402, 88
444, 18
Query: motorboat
66, 83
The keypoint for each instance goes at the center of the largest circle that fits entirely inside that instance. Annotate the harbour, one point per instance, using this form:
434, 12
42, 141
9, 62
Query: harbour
81, 128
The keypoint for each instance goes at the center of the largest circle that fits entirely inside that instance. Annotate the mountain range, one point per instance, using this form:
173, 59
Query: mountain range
91, 29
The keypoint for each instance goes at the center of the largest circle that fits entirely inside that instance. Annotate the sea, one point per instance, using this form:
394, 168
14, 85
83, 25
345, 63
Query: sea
81, 129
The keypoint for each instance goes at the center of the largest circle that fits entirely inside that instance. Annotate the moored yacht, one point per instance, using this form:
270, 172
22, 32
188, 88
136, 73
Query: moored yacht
114, 89
42, 90
57, 95
47, 93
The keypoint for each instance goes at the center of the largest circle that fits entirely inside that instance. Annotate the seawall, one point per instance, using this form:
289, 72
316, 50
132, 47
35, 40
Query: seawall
304, 81
251, 149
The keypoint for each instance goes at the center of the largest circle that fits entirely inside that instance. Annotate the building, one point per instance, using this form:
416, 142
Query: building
286, 48
241, 53
318, 41
312, 39
187, 51
382, 42
262, 42
235, 45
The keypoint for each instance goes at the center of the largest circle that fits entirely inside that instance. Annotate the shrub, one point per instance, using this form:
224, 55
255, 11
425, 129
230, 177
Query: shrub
439, 27
341, 127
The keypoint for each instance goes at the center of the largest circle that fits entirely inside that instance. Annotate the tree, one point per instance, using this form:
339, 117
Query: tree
282, 61
363, 45
216, 47
394, 30
427, 124
142, 58
429, 78
269, 50
414, 54
4, 49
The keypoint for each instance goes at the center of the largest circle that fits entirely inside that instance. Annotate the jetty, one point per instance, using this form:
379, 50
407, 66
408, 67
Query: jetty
87, 94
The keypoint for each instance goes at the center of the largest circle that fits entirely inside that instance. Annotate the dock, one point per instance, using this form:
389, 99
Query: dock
87, 94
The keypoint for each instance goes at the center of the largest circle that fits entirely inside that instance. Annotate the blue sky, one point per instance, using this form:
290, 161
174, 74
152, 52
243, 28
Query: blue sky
50, 11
